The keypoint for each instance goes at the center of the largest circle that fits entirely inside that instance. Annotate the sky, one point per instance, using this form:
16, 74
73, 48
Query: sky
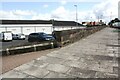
87, 10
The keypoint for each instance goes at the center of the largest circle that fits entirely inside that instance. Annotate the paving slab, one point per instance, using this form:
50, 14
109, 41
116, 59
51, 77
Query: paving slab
38, 63
14, 74
75, 64
51, 60
81, 73
105, 75
58, 75
34, 71
64, 56
37, 72
57, 68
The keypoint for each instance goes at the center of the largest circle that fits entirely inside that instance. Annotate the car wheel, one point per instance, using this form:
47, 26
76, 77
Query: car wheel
23, 39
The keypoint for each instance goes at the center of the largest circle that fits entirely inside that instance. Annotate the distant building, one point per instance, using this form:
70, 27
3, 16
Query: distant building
93, 23
29, 26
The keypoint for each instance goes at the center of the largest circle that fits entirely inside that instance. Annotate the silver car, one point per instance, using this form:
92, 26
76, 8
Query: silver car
18, 37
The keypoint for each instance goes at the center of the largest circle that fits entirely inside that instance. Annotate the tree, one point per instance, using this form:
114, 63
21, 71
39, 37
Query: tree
116, 20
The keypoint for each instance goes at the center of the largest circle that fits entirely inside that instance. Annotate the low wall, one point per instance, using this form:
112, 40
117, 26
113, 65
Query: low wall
70, 36
25, 49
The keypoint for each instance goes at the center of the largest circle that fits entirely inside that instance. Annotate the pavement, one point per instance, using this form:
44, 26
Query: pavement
95, 56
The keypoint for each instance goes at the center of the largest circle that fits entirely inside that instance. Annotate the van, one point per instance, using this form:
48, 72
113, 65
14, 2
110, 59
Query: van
6, 36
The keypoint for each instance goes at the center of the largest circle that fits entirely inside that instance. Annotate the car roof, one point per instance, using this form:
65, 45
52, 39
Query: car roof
38, 33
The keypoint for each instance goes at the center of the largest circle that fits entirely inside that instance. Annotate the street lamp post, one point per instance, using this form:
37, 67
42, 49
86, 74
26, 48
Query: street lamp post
76, 15
53, 25
91, 20
110, 16
98, 18
101, 17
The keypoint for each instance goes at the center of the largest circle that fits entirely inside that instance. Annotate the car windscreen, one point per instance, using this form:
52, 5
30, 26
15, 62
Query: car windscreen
43, 34
116, 24
34, 34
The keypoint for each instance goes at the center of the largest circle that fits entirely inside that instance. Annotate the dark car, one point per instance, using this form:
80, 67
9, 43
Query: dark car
116, 25
38, 37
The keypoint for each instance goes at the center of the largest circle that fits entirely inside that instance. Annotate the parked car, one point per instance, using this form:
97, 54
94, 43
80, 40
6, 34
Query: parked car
116, 25
1, 36
38, 37
18, 36
6, 36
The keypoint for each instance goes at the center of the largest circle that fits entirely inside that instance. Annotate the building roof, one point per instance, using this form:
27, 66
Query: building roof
66, 23
25, 22
54, 22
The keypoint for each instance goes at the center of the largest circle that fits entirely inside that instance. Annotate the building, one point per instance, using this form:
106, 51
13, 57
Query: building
29, 26
93, 23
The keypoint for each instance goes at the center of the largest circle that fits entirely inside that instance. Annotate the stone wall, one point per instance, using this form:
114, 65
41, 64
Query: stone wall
70, 36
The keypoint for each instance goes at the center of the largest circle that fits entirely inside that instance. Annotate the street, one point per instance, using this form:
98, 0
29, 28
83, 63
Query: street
13, 43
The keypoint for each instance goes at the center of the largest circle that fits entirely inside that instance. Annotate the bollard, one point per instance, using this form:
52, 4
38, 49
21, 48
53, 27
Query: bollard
34, 47
115, 70
7, 51
114, 58
52, 45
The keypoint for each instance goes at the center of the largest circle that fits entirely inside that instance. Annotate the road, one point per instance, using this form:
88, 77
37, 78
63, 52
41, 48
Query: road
13, 43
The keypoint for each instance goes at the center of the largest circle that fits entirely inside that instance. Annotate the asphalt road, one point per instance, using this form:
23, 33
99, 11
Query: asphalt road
12, 43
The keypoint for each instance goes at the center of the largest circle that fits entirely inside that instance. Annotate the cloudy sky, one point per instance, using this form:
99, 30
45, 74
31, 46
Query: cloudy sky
87, 10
